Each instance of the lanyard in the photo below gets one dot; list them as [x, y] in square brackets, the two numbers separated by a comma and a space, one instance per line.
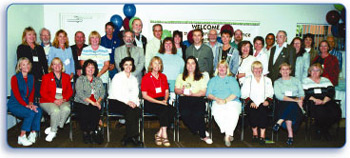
[160, 81]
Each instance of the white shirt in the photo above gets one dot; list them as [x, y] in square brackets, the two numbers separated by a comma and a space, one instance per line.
[151, 50]
[262, 57]
[139, 42]
[258, 92]
[124, 89]
[278, 51]
[246, 67]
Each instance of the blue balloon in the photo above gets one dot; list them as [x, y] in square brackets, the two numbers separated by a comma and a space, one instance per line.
[129, 10]
[117, 21]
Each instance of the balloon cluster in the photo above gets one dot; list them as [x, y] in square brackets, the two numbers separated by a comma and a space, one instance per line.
[333, 17]
[129, 12]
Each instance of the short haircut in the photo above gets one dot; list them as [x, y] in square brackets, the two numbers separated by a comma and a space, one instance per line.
[318, 65]
[243, 43]
[309, 35]
[20, 60]
[124, 60]
[79, 32]
[285, 64]
[226, 32]
[198, 30]
[59, 60]
[259, 38]
[110, 24]
[90, 62]
[45, 29]
[94, 33]
[271, 34]
[132, 32]
[150, 67]
[223, 62]
[161, 27]
[285, 33]
[329, 46]
[257, 64]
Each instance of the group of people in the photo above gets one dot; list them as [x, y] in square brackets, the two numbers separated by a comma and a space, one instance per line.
[123, 70]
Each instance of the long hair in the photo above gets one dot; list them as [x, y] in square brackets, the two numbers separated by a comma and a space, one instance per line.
[197, 74]
[179, 33]
[60, 61]
[302, 47]
[25, 31]
[55, 42]
[223, 62]
[94, 33]
[162, 46]
[150, 67]
[87, 63]
[20, 60]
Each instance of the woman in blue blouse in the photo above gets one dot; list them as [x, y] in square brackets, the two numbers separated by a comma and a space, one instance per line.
[289, 92]
[60, 48]
[224, 90]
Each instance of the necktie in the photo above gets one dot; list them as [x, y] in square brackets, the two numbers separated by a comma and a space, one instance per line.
[128, 51]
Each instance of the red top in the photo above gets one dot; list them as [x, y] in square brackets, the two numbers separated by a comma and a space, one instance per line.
[330, 68]
[17, 94]
[92, 96]
[149, 84]
[48, 88]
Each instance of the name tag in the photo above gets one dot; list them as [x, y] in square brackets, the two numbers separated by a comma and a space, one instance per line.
[79, 58]
[66, 62]
[197, 59]
[35, 59]
[92, 91]
[317, 91]
[159, 90]
[58, 90]
[109, 51]
[229, 55]
[187, 91]
[288, 93]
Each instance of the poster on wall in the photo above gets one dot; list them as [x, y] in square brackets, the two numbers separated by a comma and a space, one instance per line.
[250, 29]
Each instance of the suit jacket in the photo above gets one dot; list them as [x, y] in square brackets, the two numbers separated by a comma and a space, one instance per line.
[287, 55]
[48, 88]
[136, 53]
[75, 56]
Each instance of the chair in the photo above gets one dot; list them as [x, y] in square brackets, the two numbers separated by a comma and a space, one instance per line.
[207, 116]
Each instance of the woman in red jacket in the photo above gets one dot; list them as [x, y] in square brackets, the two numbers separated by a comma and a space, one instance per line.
[55, 91]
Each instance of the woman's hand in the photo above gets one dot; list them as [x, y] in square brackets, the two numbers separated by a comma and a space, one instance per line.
[300, 103]
[164, 102]
[253, 105]
[132, 104]
[32, 107]
[98, 105]
[240, 75]
[220, 101]
[266, 103]
[318, 102]
[58, 102]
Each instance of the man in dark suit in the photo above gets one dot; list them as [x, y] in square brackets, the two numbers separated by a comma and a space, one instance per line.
[79, 39]
[281, 53]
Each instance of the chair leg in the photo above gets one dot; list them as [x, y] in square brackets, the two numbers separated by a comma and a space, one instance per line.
[70, 129]
[242, 128]
[108, 133]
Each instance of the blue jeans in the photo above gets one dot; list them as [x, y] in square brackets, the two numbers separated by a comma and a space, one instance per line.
[31, 119]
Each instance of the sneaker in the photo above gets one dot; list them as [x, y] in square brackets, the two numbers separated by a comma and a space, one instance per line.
[227, 141]
[207, 134]
[24, 141]
[290, 141]
[32, 137]
[276, 127]
[207, 140]
[50, 136]
[68, 120]
[47, 130]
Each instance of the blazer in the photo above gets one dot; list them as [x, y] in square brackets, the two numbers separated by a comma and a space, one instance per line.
[48, 88]
[83, 89]
[287, 55]
[75, 57]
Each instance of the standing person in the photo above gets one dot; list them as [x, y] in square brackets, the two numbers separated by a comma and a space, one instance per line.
[178, 41]
[270, 42]
[245, 61]
[213, 42]
[173, 64]
[60, 48]
[309, 45]
[111, 42]
[201, 52]
[56, 91]
[319, 92]
[334, 51]
[191, 85]
[224, 90]
[21, 103]
[260, 53]
[228, 53]
[155, 92]
[280, 53]
[123, 99]
[98, 53]
[329, 63]
[35, 54]
[238, 37]
[154, 44]
[288, 90]
[79, 39]
[45, 38]
[303, 59]
[130, 50]
[136, 26]
[89, 94]
[257, 91]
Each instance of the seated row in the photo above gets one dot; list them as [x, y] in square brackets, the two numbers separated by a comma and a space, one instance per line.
[191, 86]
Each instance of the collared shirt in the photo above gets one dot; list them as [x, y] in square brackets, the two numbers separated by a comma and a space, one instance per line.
[339, 56]
[257, 91]
[111, 45]
[66, 57]
[151, 50]
[263, 58]
[124, 88]
[278, 51]
[46, 49]
[214, 48]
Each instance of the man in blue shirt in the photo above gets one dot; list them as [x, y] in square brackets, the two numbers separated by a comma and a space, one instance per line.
[111, 42]
[333, 51]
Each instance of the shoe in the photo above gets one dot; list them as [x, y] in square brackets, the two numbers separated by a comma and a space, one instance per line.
[136, 142]
[86, 138]
[227, 141]
[32, 137]
[290, 141]
[68, 120]
[207, 134]
[157, 140]
[24, 141]
[276, 127]
[231, 138]
[47, 130]
[50, 136]
[255, 139]
[207, 140]
[262, 141]
[166, 142]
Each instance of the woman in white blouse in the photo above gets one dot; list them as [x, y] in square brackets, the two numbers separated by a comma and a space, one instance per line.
[257, 91]
[260, 53]
[246, 59]
[123, 98]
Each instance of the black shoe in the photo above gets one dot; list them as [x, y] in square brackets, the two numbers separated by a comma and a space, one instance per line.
[125, 141]
[86, 137]
[136, 142]
[97, 137]
[276, 127]
[255, 139]
[262, 141]
[290, 141]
